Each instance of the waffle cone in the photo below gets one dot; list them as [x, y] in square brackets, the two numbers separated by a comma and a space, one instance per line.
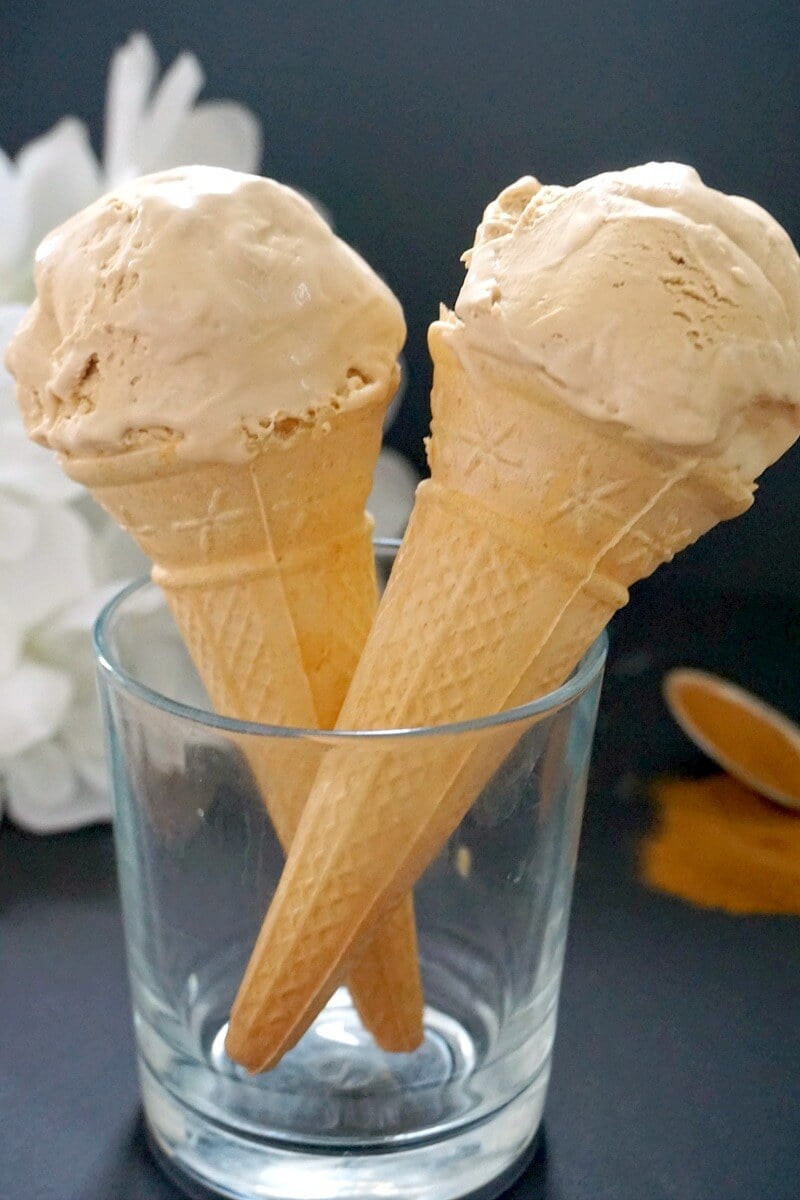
[520, 548]
[268, 570]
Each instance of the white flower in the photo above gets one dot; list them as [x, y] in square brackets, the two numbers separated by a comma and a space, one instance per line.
[61, 557]
[45, 575]
[147, 128]
[51, 178]
[392, 493]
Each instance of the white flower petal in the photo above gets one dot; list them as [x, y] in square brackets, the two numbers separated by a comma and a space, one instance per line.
[27, 469]
[90, 511]
[16, 280]
[18, 529]
[131, 77]
[46, 795]
[171, 104]
[150, 130]
[66, 641]
[95, 806]
[217, 134]
[11, 641]
[115, 556]
[392, 496]
[54, 573]
[33, 703]
[58, 175]
[397, 398]
[96, 789]
[15, 225]
[82, 735]
[10, 317]
[77, 619]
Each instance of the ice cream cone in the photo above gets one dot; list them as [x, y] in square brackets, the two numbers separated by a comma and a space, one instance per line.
[268, 570]
[214, 363]
[621, 366]
[519, 550]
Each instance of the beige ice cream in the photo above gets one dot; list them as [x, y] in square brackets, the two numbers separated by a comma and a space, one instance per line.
[640, 297]
[622, 362]
[203, 306]
[215, 364]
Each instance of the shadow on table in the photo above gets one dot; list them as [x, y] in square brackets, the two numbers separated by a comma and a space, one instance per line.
[534, 1183]
[129, 1172]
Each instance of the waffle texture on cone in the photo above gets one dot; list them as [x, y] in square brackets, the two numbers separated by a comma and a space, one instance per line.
[269, 573]
[554, 487]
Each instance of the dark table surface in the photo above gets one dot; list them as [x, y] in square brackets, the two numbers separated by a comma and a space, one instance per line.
[677, 1061]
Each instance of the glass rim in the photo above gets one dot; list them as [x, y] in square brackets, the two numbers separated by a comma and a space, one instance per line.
[108, 663]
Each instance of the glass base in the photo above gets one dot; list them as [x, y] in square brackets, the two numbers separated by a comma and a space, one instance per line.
[338, 1084]
[199, 864]
[206, 1160]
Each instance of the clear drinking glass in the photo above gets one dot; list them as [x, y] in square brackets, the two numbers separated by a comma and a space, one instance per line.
[198, 862]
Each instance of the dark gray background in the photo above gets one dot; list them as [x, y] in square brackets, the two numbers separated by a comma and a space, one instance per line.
[406, 119]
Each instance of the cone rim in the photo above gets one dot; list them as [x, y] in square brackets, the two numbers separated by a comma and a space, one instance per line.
[111, 669]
